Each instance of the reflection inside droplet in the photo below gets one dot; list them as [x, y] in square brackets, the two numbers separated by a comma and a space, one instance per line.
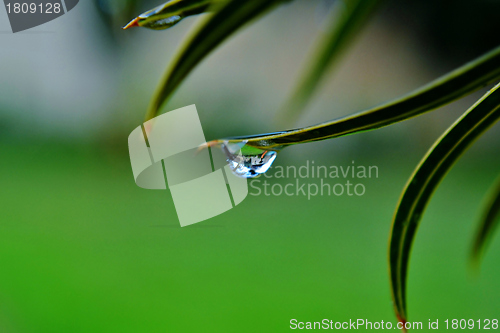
[244, 160]
[247, 161]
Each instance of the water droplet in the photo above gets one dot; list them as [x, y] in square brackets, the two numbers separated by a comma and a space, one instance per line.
[245, 160]
[164, 23]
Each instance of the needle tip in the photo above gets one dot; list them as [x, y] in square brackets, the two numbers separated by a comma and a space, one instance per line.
[133, 23]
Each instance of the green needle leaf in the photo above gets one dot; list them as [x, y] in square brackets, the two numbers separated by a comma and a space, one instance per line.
[171, 13]
[347, 19]
[213, 31]
[454, 85]
[487, 225]
[425, 179]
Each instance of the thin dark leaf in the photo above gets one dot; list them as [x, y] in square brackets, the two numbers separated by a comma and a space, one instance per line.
[213, 31]
[452, 86]
[171, 13]
[348, 16]
[425, 180]
[487, 225]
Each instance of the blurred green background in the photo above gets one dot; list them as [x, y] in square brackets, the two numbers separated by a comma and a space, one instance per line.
[83, 249]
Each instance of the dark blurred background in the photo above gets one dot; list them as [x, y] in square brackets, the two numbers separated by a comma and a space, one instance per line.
[83, 249]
